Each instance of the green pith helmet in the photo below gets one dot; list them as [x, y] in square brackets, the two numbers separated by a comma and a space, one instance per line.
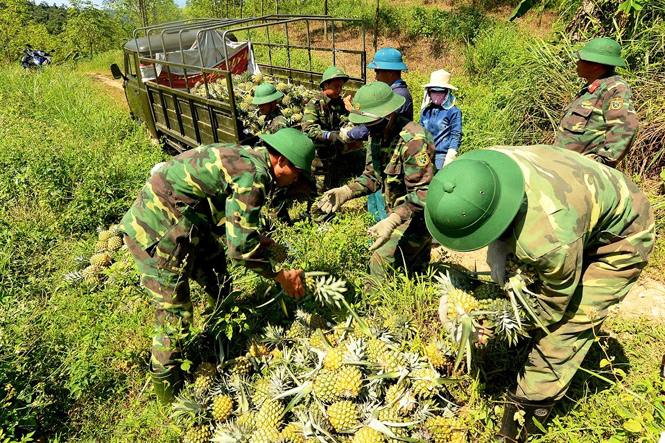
[266, 93]
[332, 73]
[295, 146]
[474, 199]
[602, 50]
[374, 101]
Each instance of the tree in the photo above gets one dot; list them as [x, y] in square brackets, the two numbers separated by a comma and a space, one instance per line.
[13, 17]
[89, 29]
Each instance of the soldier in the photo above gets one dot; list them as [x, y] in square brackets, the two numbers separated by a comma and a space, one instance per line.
[265, 97]
[175, 227]
[601, 121]
[585, 227]
[323, 117]
[399, 161]
[388, 66]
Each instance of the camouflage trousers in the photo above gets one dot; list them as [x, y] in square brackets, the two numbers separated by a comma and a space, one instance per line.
[165, 270]
[608, 273]
[409, 247]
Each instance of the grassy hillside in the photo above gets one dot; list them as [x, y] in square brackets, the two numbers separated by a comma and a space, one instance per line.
[73, 357]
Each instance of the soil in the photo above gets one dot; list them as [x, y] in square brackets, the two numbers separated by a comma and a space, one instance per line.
[645, 299]
[113, 86]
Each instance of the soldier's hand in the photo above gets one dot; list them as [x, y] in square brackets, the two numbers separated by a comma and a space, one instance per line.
[497, 255]
[291, 283]
[335, 137]
[265, 241]
[384, 230]
[334, 198]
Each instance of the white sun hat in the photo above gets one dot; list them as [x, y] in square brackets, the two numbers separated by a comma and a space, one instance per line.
[440, 79]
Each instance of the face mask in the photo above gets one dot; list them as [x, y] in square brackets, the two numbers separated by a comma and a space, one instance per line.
[438, 97]
[377, 127]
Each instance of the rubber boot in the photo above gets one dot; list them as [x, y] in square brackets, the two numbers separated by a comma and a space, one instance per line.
[511, 431]
[167, 384]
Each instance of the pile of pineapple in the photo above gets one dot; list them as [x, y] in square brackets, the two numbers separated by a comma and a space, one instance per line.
[291, 105]
[316, 380]
[105, 252]
[508, 313]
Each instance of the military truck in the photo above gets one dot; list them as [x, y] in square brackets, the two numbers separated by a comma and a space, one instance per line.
[168, 65]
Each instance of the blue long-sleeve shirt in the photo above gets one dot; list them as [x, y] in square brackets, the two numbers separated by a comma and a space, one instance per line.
[445, 125]
[399, 87]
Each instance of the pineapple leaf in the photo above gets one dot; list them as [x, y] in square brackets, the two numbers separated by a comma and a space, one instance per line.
[465, 342]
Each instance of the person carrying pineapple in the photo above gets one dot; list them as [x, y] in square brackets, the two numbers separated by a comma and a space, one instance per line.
[400, 162]
[265, 98]
[176, 227]
[585, 228]
[322, 120]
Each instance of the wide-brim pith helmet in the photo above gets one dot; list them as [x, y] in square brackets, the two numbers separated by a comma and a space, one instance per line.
[602, 50]
[473, 200]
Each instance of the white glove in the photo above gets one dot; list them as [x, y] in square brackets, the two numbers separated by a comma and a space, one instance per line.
[384, 230]
[344, 133]
[497, 254]
[156, 167]
[450, 156]
[333, 199]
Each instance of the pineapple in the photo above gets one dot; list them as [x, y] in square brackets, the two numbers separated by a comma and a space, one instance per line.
[198, 434]
[487, 291]
[244, 107]
[101, 259]
[100, 246]
[460, 302]
[115, 243]
[325, 386]
[292, 433]
[392, 361]
[333, 359]
[281, 86]
[261, 391]
[368, 435]
[436, 353]
[247, 421]
[349, 381]
[270, 414]
[515, 267]
[278, 253]
[297, 117]
[310, 284]
[241, 366]
[222, 407]
[91, 274]
[104, 234]
[376, 348]
[268, 434]
[390, 416]
[343, 415]
[444, 430]
[257, 79]
[257, 349]
[422, 383]
[504, 322]
[204, 376]
[297, 331]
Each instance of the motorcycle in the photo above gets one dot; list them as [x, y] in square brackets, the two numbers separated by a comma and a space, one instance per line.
[35, 58]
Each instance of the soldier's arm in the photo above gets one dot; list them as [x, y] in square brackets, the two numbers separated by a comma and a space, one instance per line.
[367, 183]
[243, 209]
[418, 170]
[622, 125]
[311, 121]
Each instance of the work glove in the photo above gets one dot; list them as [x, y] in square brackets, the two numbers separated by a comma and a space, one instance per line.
[480, 334]
[333, 199]
[497, 254]
[156, 167]
[384, 230]
[335, 137]
[344, 134]
[450, 156]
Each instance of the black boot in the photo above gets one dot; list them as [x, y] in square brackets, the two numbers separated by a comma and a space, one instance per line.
[167, 384]
[511, 431]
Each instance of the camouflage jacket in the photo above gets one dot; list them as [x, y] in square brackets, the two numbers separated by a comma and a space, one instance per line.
[401, 165]
[576, 211]
[600, 122]
[323, 114]
[274, 122]
[218, 189]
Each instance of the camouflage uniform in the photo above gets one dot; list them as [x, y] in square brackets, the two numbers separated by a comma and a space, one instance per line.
[273, 123]
[589, 232]
[401, 165]
[324, 114]
[174, 231]
[600, 122]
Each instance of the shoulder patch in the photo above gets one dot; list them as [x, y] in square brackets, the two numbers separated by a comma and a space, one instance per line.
[616, 103]
[422, 159]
